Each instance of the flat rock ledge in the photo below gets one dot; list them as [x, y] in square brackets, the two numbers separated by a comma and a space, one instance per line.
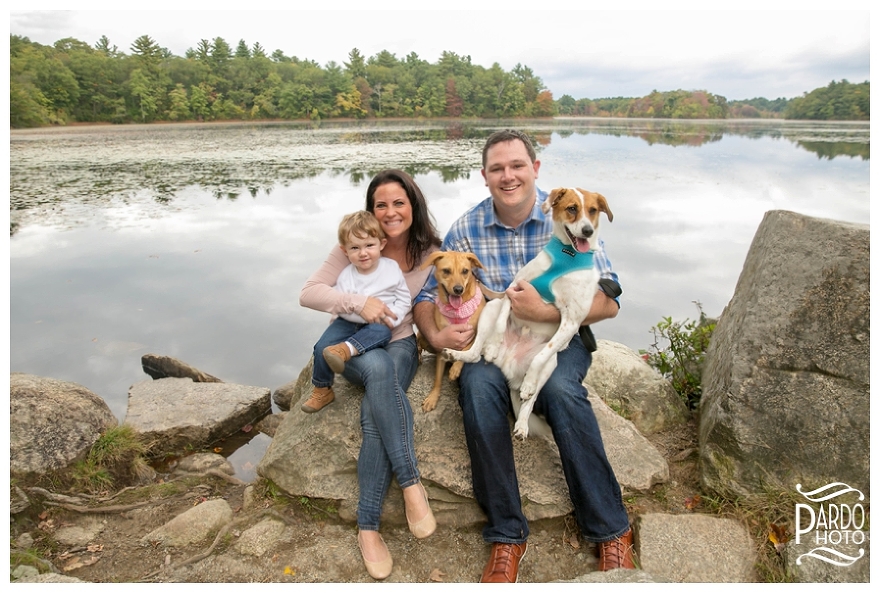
[176, 413]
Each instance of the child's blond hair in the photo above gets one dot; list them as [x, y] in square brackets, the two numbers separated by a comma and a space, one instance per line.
[361, 224]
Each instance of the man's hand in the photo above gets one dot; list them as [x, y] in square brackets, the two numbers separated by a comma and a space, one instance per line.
[454, 337]
[526, 303]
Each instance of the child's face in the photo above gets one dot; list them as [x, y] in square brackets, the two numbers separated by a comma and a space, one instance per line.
[364, 252]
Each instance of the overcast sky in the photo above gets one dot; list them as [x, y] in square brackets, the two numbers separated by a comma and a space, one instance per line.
[584, 53]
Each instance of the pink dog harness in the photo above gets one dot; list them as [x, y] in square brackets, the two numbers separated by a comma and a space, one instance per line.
[464, 311]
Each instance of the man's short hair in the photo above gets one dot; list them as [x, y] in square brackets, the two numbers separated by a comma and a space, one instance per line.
[508, 136]
[361, 224]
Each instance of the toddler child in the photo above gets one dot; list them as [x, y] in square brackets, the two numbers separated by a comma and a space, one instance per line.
[369, 274]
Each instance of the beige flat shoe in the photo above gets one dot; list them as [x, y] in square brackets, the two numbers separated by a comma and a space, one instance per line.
[381, 569]
[427, 524]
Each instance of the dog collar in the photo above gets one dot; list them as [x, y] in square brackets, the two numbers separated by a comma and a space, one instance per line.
[563, 259]
[464, 312]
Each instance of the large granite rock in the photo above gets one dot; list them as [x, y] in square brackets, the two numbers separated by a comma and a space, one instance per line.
[786, 383]
[330, 440]
[52, 423]
[176, 413]
[631, 386]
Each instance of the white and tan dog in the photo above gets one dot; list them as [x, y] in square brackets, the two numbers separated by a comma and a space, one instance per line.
[564, 274]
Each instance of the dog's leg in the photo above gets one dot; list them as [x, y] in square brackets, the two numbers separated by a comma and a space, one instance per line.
[521, 427]
[455, 370]
[484, 328]
[542, 376]
[431, 401]
[545, 361]
[528, 423]
[499, 327]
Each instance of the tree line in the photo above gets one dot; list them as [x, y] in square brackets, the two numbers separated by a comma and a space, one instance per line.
[71, 81]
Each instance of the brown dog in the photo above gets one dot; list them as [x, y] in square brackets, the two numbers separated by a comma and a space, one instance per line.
[459, 300]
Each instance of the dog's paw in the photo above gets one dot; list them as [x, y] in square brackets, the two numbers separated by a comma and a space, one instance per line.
[461, 355]
[491, 350]
[430, 403]
[521, 428]
[528, 388]
[455, 370]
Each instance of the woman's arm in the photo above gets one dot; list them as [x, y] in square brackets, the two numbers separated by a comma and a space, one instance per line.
[319, 293]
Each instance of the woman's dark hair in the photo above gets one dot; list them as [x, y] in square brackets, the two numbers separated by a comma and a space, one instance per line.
[423, 232]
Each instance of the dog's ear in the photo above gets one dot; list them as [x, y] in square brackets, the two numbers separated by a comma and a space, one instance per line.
[603, 207]
[552, 199]
[476, 262]
[432, 258]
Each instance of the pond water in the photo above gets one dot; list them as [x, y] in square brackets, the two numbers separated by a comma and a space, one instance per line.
[194, 241]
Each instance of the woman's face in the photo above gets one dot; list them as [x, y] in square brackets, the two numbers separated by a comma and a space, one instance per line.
[392, 209]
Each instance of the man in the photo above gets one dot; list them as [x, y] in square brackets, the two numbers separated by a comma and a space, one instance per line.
[506, 231]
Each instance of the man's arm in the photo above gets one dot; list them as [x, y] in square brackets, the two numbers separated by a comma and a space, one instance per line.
[526, 303]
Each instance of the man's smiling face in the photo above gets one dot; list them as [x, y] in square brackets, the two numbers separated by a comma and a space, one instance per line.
[510, 176]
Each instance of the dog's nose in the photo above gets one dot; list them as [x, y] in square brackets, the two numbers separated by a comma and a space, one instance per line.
[458, 289]
[587, 231]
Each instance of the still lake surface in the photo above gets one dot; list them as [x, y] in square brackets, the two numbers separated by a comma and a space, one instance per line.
[194, 241]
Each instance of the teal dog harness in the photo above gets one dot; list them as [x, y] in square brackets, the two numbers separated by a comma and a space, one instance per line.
[563, 259]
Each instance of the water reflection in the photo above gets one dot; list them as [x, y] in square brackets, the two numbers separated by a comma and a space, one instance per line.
[102, 166]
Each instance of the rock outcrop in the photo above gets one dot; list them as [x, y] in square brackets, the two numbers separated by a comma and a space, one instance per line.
[629, 384]
[786, 396]
[52, 423]
[332, 441]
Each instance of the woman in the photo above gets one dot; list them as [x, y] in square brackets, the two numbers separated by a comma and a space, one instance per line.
[386, 416]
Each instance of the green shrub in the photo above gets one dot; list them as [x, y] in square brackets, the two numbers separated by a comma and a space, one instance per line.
[678, 351]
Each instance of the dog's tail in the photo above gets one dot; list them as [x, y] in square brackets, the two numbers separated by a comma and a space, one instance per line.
[488, 292]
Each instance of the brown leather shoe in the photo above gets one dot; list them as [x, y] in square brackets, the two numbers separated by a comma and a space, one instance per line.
[503, 564]
[336, 356]
[617, 553]
[321, 396]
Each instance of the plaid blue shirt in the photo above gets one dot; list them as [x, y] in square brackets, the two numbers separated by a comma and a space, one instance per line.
[503, 250]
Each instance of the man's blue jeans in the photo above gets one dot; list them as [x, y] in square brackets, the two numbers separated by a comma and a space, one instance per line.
[595, 493]
[363, 336]
[387, 446]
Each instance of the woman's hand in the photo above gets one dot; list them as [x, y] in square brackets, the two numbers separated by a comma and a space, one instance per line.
[375, 311]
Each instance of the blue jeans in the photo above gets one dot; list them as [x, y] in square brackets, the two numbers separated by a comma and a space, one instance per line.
[595, 493]
[387, 447]
[363, 336]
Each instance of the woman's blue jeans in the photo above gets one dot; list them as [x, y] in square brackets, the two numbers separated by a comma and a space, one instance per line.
[363, 336]
[595, 493]
[387, 448]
